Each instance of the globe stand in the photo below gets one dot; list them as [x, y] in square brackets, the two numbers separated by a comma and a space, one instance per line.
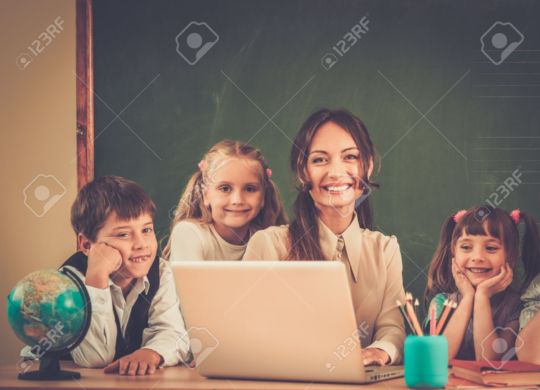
[49, 370]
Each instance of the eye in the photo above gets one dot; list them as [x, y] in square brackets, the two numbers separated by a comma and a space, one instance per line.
[492, 248]
[351, 157]
[148, 230]
[225, 188]
[252, 188]
[122, 235]
[318, 160]
[465, 247]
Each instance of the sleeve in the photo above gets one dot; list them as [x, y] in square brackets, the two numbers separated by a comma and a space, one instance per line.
[530, 302]
[529, 311]
[261, 247]
[166, 332]
[390, 331]
[186, 243]
[438, 301]
[99, 345]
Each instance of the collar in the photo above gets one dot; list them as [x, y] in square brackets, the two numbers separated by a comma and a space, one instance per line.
[222, 241]
[352, 238]
[141, 284]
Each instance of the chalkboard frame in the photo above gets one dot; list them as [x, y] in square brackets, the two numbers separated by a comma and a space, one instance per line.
[84, 86]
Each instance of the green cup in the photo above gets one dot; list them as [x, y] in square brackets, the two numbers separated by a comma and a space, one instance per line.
[426, 361]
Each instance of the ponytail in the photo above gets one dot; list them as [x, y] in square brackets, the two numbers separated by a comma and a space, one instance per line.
[530, 252]
[364, 212]
[304, 230]
[272, 212]
[190, 206]
[440, 270]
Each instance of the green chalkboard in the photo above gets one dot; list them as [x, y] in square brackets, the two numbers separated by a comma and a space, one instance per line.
[450, 119]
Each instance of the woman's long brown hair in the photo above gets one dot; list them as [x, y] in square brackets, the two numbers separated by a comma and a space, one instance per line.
[303, 230]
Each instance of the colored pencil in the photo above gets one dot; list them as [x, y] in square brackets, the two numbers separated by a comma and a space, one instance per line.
[432, 319]
[444, 316]
[412, 316]
[453, 305]
[407, 320]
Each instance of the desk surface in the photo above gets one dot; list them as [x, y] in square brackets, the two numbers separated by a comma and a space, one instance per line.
[180, 378]
[169, 378]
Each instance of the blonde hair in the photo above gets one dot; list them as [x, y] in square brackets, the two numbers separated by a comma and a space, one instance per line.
[191, 203]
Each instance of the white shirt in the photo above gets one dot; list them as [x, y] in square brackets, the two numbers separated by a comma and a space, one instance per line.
[165, 334]
[374, 266]
[192, 240]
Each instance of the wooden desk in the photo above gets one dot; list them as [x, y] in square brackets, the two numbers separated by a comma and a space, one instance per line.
[175, 378]
[168, 378]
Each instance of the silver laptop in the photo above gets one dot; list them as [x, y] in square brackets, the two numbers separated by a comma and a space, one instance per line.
[277, 320]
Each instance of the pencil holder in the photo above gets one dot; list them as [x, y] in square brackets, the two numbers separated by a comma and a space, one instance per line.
[426, 361]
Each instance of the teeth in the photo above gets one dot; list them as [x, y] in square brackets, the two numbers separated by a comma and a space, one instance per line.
[338, 188]
[479, 270]
[139, 259]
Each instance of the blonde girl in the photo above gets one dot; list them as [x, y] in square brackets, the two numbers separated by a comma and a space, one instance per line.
[226, 200]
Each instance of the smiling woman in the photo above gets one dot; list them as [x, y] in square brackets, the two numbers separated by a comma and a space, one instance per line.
[333, 159]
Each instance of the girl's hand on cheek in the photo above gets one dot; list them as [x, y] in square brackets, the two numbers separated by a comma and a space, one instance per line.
[463, 284]
[497, 283]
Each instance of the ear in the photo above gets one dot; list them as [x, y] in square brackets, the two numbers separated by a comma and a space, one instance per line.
[308, 178]
[206, 202]
[83, 243]
[370, 168]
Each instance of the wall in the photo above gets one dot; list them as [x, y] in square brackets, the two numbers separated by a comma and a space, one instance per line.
[37, 124]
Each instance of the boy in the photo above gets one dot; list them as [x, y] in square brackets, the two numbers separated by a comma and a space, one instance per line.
[136, 323]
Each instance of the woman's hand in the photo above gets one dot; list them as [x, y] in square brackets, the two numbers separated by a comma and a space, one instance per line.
[375, 356]
[497, 283]
[463, 283]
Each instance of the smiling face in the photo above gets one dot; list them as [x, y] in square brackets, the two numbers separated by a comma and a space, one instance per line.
[135, 240]
[334, 169]
[235, 197]
[480, 257]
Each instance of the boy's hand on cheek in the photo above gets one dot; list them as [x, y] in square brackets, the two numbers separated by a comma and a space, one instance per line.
[103, 260]
[141, 362]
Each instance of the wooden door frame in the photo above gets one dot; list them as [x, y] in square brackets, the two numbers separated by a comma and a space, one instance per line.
[84, 92]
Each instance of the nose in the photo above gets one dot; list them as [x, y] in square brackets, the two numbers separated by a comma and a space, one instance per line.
[236, 197]
[139, 241]
[336, 168]
[477, 256]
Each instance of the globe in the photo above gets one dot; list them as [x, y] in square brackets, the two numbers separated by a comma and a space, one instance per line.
[50, 311]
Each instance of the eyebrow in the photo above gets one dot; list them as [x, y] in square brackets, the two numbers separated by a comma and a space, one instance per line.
[232, 184]
[488, 240]
[343, 151]
[129, 227]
